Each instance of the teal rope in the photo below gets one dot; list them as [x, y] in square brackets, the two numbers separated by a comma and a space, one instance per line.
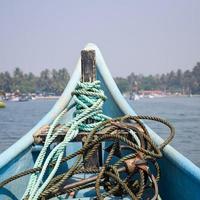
[89, 99]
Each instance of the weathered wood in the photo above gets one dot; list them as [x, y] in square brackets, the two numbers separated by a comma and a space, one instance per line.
[40, 135]
[88, 66]
[88, 72]
[69, 184]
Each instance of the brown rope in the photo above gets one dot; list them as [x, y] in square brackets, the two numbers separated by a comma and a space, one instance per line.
[115, 177]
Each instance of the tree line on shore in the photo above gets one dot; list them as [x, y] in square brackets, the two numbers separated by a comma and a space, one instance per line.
[54, 81]
[185, 82]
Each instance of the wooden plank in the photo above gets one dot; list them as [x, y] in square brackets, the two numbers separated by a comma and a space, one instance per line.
[88, 66]
[88, 74]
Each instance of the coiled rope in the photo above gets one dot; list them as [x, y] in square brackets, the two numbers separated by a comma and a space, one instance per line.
[111, 177]
[114, 176]
[129, 174]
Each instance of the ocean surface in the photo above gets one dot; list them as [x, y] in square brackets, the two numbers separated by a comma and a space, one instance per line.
[184, 112]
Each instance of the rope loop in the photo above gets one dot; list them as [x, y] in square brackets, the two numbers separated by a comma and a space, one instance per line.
[89, 99]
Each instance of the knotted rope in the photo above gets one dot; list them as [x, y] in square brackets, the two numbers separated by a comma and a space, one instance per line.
[89, 100]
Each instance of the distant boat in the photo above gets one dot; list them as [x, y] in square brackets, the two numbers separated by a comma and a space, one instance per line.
[150, 96]
[33, 98]
[2, 104]
[134, 97]
[180, 178]
[24, 98]
[2, 98]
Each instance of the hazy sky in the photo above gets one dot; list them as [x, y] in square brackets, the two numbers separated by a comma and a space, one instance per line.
[146, 37]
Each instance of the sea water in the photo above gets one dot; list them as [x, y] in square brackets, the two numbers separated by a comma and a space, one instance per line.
[184, 112]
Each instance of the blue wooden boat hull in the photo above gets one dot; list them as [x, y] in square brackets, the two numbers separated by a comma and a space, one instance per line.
[180, 178]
